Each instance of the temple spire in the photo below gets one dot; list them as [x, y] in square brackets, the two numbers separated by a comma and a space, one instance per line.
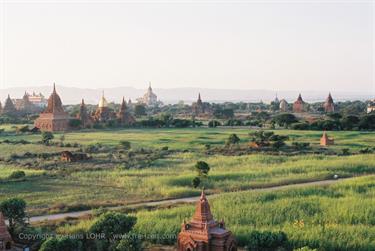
[202, 210]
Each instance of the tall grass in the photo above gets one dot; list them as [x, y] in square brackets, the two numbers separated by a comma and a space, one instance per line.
[340, 217]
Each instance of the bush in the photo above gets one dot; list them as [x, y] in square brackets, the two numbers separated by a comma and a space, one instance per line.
[75, 123]
[233, 139]
[61, 244]
[112, 224]
[17, 175]
[126, 145]
[301, 145]
[14, 210]
[47, 137]
[213, 123]
[366, 150]
[285, 119]
[132, 243]
[202, 168]
[267, 241]
[196, 182]
[300, 126]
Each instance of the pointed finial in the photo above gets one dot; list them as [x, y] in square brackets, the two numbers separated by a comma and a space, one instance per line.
[54, 87]
[203, 195]
[83, 101]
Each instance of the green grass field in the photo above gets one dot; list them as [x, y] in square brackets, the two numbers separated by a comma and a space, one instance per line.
[336, 217]
[196, 138]
[98, 183]
[339, 217]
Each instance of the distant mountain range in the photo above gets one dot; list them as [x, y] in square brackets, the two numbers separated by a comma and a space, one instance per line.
[73, 95]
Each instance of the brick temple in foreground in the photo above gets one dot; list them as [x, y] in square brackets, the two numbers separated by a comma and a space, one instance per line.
[203, 233]
[53, 118]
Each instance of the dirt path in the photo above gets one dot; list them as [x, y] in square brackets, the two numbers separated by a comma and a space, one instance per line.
[180, 200]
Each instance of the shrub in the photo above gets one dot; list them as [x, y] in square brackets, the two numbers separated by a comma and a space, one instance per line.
[17, 175]
[345, 151]
[366, 150]
[285, 119]
[126, 145]
[47, 137]
[301, 145]
[61, 244]
[14, 210]
[196, 182]
[131, 243]
[112, 224]
[300, 126]
[259, 241]
[213, 123]
[233, 139]
[202, 168]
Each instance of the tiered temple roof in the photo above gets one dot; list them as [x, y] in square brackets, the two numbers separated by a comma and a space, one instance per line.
[53, 118]
[124, 115]
[203, 232]
[9, 107]
[328, 104]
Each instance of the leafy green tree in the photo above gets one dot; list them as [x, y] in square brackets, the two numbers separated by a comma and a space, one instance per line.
[202, 168]
[139, 110]
[233, 139]
[367, 122]
[75, 123]
[349, 122]
[213, 123]
[261, 138]
[14, 210]
[129, 244]
[166, 118]
[17, 175]
[285, 119]
[126, 145]
[61, 244]
[196, 182]
[47, 137]
[112, 224]
[268, 138]
[334, 115]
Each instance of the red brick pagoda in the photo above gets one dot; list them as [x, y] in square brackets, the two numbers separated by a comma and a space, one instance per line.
[83, 116]
[124, 116]
[325, 140]
[329, 105]
[53, 118]
[203, 233]
[299, 105]
[5, 238]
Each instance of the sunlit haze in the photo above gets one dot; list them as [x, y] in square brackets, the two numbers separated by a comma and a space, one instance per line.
[251, 45]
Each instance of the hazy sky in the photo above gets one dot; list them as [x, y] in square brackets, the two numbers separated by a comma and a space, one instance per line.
[276, 45]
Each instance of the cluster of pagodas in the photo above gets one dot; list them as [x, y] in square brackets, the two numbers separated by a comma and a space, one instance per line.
[300, 105]
[54, 118]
